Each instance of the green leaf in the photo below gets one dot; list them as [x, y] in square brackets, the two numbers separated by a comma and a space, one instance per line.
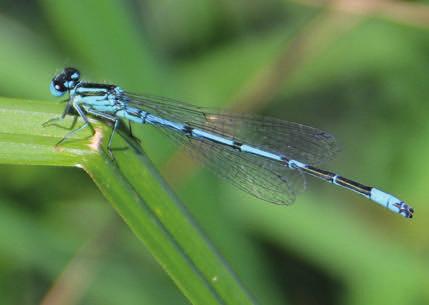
[134, 188]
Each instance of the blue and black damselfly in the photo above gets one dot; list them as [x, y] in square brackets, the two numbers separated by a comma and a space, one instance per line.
[263, 156]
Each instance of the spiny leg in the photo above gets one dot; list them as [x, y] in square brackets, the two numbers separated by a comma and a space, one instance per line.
[109, 144]
[59, 118]
[131, 133]
[86, 124]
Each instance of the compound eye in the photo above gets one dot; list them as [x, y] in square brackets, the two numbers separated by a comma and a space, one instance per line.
[56, 88]
[65, 81]
[72, 74]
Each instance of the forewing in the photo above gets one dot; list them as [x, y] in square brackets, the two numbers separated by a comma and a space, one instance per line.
[295, 141]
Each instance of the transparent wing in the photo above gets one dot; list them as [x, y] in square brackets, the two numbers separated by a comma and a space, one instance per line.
[295, 141]
[268, 180]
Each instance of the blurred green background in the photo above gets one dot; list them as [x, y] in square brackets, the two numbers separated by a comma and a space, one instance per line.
[358, 69]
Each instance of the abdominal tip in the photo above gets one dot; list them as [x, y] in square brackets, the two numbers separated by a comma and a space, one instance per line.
[406, 210]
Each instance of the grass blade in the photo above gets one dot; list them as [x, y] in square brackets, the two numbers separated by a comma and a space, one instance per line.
[134, 188]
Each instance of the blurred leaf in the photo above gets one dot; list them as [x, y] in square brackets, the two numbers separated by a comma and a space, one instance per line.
[27, 61]
[106, 38]
[345, 245]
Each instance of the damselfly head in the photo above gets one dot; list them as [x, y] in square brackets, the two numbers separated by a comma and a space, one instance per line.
[64, 81]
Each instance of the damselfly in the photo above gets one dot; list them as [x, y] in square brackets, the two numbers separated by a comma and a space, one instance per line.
[263, 156]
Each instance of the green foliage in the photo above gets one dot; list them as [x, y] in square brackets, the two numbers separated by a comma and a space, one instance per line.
[359, 76]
